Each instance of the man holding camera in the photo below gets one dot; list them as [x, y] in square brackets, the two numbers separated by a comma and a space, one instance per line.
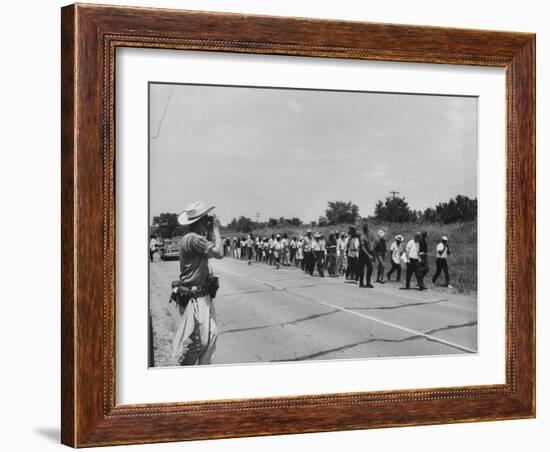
[195, 339]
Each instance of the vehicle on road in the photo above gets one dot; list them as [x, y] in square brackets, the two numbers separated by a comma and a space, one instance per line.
[171, 249]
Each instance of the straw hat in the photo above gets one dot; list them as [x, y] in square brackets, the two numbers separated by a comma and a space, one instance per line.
[193, 212]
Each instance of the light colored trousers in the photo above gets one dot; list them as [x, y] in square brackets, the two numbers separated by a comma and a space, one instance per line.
[195, 339]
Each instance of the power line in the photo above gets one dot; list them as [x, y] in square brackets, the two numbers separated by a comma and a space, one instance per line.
[393, 193]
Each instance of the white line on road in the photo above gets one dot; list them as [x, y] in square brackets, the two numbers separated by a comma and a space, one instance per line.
[392, 325]
[365, 316]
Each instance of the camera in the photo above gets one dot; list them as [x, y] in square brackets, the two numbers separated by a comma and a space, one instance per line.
[210, 220]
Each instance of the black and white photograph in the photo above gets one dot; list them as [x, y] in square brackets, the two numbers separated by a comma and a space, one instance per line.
[297, 224]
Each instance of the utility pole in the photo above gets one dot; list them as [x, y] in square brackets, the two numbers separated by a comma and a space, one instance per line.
[393, 193]
[257, 218]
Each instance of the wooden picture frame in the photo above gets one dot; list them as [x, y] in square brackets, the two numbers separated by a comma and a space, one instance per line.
[90, 35]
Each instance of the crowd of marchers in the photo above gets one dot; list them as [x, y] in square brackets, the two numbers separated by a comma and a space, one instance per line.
[352, 255]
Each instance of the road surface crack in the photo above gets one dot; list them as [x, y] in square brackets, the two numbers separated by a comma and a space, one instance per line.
[399, 306]
[452, 327]
[292, 322]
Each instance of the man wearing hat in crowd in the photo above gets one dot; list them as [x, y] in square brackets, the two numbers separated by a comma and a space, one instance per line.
[278, 249]
[365, 258]
[309, 260]
[318, 248]
[441, 252]
[195, 338]
[352, 252]
[413, 257]
[396, 250]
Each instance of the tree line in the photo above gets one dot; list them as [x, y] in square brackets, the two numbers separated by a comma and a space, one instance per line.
[397, 210]
[392, 210]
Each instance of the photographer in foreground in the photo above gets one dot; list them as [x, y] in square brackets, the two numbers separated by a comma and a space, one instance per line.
[195, 339]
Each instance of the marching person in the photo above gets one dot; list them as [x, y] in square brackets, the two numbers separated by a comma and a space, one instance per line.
[285, 257]
[309, 260]
[365, 258]
[271, 243]
[299, 261]
[235, 248]
[396, 250]
[442, 251]
[293, 249]
[249, 247]
[196, 334]
[331, 248]
[324, 248]
[412, 251]
[278, 249]
[265, 250]
[258, 249]
[352, 250]
[318, 248]
[243, 248]
[341, 246]
[380, 255]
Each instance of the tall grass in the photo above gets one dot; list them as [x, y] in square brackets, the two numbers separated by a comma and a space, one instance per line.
[462, 242]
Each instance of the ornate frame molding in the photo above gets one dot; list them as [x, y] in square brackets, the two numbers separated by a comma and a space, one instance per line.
[90, 37]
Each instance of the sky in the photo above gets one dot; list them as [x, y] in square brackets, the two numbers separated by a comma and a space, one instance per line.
[287, 152]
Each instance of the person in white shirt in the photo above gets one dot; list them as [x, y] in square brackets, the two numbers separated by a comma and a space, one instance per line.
[300, 253]
[412, 249]
[249, 246]
[396, 250]
[309, 258]
[271, 243]
[341, 245]
[442, 251]
[293, 246]
[152, 247]
[352, 249]
[277, 251]
[285, 253]
[318, 249]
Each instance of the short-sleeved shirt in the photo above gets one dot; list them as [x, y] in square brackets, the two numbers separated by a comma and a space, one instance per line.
[412, 249]
[317, 245]
[194, 260]
[396, 249]
[441, 251]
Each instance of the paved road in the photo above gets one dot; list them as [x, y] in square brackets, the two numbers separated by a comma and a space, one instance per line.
[266, 314]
